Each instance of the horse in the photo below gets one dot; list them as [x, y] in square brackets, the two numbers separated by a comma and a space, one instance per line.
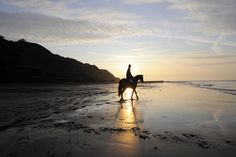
[125, 83]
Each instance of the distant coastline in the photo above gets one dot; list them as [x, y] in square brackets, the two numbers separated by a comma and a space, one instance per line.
[160, 81]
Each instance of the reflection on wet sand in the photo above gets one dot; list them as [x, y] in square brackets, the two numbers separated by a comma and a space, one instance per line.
[127, 116]
[126, 143]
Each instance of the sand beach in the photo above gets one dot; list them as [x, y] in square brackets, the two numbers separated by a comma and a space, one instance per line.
[169, 119]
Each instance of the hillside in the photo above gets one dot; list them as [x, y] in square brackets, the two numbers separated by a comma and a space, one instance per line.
[22, 61]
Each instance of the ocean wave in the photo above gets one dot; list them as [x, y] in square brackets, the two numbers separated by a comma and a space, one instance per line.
[228, 87]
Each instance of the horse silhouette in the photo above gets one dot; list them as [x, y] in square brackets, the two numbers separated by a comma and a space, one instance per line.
[125, 83]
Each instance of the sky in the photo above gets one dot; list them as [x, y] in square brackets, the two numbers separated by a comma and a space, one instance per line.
[161, 39]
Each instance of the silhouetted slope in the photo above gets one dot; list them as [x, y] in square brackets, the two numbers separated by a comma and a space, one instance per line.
[22, 61]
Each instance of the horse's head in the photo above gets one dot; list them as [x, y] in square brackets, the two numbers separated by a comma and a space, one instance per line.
[141, 78]
[137, 78]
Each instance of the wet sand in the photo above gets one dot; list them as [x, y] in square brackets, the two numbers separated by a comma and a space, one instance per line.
[87, 120]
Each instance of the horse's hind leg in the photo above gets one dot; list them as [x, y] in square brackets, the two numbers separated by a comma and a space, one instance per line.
[122, 91]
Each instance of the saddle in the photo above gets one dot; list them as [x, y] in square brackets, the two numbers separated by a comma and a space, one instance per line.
[131, 80]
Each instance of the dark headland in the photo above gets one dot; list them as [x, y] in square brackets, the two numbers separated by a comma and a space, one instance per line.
[24, 62]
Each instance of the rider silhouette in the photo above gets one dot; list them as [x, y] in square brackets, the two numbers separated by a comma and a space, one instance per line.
[129, 75]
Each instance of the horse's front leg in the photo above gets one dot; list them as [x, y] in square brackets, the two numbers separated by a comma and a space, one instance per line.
[136, 94]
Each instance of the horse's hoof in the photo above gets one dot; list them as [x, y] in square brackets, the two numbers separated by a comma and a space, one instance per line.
[121, 100]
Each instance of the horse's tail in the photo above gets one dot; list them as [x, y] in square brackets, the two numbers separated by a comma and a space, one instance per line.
[119, 89]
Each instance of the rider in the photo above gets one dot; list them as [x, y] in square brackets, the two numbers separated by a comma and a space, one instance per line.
[129, 75]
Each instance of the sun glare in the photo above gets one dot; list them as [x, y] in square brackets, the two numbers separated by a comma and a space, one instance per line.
[128, 93]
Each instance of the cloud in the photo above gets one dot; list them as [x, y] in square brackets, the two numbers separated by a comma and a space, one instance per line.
[41, 28]
[191, 42]
[72, 9]
[210, 56]
[143, 1]
[201, 19]
[108, 15]
[216, 16]
[213, 16]
[203, 59]
[58, 8]
[68, 22]
[215, 47]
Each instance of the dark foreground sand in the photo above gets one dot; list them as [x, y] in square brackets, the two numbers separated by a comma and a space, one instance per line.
[87, 120]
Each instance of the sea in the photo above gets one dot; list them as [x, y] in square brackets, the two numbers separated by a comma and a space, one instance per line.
[226, 86]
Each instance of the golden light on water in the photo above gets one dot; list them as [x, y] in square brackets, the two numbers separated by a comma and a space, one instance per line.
[126, 143]
[127, 115]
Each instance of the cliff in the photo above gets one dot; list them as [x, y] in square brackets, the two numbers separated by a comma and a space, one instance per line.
[22, 61]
